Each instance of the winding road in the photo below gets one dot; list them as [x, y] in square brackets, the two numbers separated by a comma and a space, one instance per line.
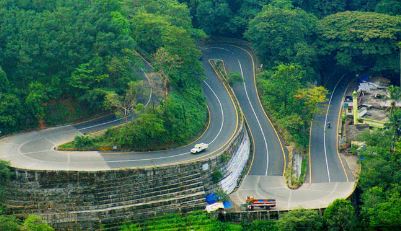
[329, 177]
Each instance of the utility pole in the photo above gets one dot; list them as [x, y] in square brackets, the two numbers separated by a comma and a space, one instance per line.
[355, 106]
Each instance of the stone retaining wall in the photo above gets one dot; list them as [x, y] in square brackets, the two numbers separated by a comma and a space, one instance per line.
[71, 200]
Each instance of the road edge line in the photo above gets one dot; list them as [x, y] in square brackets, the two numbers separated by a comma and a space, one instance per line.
[261, 105]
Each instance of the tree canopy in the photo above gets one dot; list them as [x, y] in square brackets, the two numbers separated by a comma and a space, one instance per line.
[283, 35]
[61, 50]
[360, 41]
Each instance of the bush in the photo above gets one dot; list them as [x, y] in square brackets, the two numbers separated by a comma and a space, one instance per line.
[217, 176]
[83, 141]
[340, 215]
[9, 223]
[234, 77]
[35, 223]
[261, 225]
[5, 173]
[300, 219]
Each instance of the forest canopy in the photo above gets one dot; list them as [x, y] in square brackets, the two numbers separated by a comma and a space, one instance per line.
[61, 52]
[66, 60]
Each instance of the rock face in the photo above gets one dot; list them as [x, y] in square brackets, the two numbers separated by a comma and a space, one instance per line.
[71, 200]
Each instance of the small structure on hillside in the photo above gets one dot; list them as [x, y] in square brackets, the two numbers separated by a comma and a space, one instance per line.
[370, 103]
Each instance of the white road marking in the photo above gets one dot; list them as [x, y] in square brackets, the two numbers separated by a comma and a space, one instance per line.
[257, 119]
[166, 157]
[109, 122]
[97, 125]
[221, 110]
[325, 125]
[148, 159]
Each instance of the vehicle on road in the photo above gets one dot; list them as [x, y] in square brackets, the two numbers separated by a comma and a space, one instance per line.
[252, 203]
[328, 125]
[199, 148]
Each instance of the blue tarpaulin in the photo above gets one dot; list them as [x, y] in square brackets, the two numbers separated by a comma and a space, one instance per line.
[211, 198]
[227, 204]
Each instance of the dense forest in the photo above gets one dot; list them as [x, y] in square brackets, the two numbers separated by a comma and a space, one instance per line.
[61, 54]
[301, 40]
[65, 60]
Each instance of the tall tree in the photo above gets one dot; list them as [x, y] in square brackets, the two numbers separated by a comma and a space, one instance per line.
[392, 7]
[300, 219]
[340, 216]
[361, 41]
[283, 34]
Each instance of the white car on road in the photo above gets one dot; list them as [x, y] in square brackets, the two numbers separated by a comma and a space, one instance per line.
[199, 148]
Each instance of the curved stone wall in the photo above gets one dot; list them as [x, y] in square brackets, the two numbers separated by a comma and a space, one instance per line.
[71, 200]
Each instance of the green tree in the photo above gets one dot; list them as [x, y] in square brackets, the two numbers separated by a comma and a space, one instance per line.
[360, 41]
[381, 208]
[311, 97]
[35, 223]
[283, 35]
[395, 92]
[300, 219]
[279, 87]
[36, 99]
[10, 112]
[213, 16]
[125, 105]
[4, 83]
[143, 133]
[234, 77]
[247, 10]
[9, 223]
[76, 49]
[392, 7]
[261, 225]
[290, 100]
[322, 7]
[340, 216]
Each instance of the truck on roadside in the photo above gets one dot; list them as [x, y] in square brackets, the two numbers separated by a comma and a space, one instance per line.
[252, 203]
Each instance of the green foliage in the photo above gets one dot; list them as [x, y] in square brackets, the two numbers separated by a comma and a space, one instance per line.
[340, 215]
[214, 16]
[395, 92]
[4, 83]
[290, 34]
[216, 176]
[5, 173]
[361, 41]
[61, 48]
[222, 195]
[143, 133]
[391, 7]
[9, 223]
[130, 227]
[35, 223]
[300, 219]
[125, 105]
[290, 101]
[234, 77]
[11, 112]
[261, 225]
[83, 141]
[197, 220]
[379, 180]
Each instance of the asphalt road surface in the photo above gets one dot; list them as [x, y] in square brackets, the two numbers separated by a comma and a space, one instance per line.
[35, 150]
[329, 177]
